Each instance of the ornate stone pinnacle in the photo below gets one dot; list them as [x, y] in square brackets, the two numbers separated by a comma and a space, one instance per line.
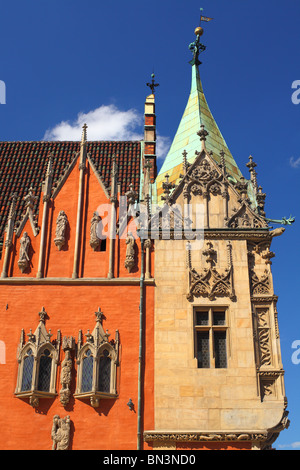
[167, 186]
[50, 165]
[260, 197]
[84, 134]
[251, 165]
[99, 315]
[223, 162]
[12, 209]
[42, 315]
[202, 133]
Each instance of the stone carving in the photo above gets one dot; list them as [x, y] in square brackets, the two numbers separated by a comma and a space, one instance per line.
[202, 180]
[197, 437]
[61, 224]
[68, 345]
[244, 217]
[23, 262]
[210, 283]
[60, 433]
[264, 337]
[95, 241]
[130, 253]
[260, 285]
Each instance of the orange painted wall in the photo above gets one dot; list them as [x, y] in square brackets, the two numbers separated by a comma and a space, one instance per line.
[70, 308]
[60, 263]
[93, 263]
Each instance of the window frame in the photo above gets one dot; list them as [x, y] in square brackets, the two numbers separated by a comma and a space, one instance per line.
[211, 328]
[38, 342]
[34, 394]
[97, 342]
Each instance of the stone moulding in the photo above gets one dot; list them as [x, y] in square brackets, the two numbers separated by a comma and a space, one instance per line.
[262, 439]
[213, 436]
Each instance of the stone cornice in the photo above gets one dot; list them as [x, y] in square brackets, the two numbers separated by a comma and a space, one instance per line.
[120, 281]
[209, 234]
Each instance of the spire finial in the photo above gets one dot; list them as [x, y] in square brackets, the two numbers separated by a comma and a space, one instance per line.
[196, 47]
[152, 85]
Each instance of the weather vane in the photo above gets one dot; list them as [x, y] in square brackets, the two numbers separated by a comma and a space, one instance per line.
[152, 85]
[196, 47]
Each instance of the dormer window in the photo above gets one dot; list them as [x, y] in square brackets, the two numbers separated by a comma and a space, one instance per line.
[38, 358]
[97, 361]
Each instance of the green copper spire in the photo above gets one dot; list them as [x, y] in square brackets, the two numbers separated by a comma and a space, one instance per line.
[196, 114]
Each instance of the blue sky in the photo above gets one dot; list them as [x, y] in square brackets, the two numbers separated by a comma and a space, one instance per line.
[67, 61]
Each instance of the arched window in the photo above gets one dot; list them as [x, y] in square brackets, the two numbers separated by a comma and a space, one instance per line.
[45, 366]
[27, 371]
[87, 372]
[104, 372]
[37, 364]
[97, 361]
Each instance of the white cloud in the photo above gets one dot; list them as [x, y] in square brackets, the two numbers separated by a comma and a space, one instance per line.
[293, 445]
[162, 146]
[104, 123]
[295, 163]
[107, 122]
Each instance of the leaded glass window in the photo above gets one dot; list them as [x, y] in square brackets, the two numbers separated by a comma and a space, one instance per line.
[211, 338]
[27, 371]
[220, 349]
[203, 349]
[87, 372]
[104, 372]
[45, 365]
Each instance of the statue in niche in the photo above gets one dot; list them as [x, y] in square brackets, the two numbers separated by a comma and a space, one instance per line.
[66, 370]
[94, 239]
[60, 433]
[61, 224]
[23, 262]
[130, 252]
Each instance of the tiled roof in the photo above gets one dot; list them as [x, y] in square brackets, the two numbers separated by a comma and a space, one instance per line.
[24, 164]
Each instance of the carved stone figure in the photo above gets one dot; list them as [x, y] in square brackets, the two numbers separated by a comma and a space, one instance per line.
[94, 239]
[66, 370]
[129, 261]
[23, 262]
[61, 224]
[60, 433]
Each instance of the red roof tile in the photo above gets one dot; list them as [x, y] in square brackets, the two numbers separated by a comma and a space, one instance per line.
[24, 164]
